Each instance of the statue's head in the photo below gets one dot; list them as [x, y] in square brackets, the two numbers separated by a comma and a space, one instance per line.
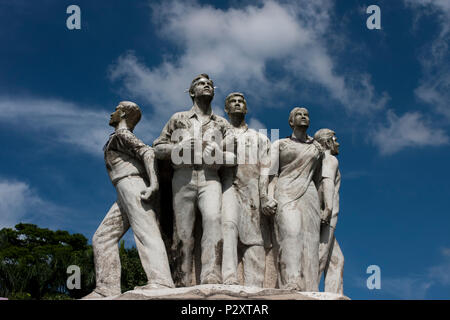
[201, 86]
[327, 138]
[235, 103]
[299, 117]
[127, 110]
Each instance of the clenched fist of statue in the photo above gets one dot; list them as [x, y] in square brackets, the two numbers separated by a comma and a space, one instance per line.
[148, 193]
[326, 215]
[211, 146]
[269, 206]
[188, 143]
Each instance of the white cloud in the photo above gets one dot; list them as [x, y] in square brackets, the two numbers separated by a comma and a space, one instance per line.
[256, 124]
[441, 272]
[235, 46]
[13, 196]
[408, 130]
[66, 122]
[58, 120]
[20, 203]
[443, 5]
[416, 286]
[407, 287]
[446, 252]
[434, 87]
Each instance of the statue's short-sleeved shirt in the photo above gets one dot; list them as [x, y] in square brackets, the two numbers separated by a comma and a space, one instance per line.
[186, 124]
[124, 154]
[330, 169]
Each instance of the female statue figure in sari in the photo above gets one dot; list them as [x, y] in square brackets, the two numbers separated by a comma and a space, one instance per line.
[295, 163]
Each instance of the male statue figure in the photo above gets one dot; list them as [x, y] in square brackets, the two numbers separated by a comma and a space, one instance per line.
[132, 170]
[244, 189]
[331, 259]
[196, 183]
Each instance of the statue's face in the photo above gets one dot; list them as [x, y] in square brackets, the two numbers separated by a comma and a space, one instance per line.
[116, 116]
[203, 87]
[334, 146]
[236, 104]
[301, 118]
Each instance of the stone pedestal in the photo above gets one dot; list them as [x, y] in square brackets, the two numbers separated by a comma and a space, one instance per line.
[225, 292]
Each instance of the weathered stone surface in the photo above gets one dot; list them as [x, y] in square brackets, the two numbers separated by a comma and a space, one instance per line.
[295, 161]
[225, 292]
[247, 219]
[331, 258]
[132, 170]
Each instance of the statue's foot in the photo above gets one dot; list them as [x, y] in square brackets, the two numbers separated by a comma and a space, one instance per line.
[292, 286]
[231, 282]
[211, 279]
[94, 295]
[150, 286]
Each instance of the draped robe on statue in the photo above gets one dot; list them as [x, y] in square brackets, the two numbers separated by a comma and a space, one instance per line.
[297, 221]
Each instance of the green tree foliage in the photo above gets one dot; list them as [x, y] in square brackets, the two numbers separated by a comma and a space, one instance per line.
[132, 272]
[34, 261]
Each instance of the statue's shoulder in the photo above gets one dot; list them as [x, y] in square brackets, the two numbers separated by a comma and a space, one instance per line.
[330, 160]
[261, 136]
[129, 138]
[252, 131]
[284, 141]
[221, 120]
[124, 134]
[318, 146]
[180, 115]
[179, 120]
[330, 167]
[222, 123]
[281, 143]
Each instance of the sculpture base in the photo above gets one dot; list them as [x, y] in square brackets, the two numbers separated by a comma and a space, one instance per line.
[225, 292]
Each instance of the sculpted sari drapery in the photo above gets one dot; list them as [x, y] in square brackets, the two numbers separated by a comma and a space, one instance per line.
[297, 222]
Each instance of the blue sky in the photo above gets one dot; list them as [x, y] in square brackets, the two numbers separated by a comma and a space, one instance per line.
[385, 93]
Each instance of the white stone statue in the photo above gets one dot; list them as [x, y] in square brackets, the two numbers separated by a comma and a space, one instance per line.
[331, 259]
[244, 189]
[131, 168]
[186, 141]
[244, 211]
[295, 161]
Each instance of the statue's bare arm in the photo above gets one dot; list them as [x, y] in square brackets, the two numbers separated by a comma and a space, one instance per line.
[329, 171]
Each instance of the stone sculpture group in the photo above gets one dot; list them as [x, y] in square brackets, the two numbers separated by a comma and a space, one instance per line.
[239, 209]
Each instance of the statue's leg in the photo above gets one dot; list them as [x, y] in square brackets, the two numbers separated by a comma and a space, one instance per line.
[184, 197]
[230, 212]
[334, 279]
[310, 254]
[209, 204]
[324, 247]
[147, 235]
[288, 225]
[254, 260]
[106, 251]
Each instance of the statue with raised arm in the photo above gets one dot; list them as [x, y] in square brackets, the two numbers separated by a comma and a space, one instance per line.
[192, 141]
[131, 167]
[294, 163]
[331, 259]
[244, 194]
